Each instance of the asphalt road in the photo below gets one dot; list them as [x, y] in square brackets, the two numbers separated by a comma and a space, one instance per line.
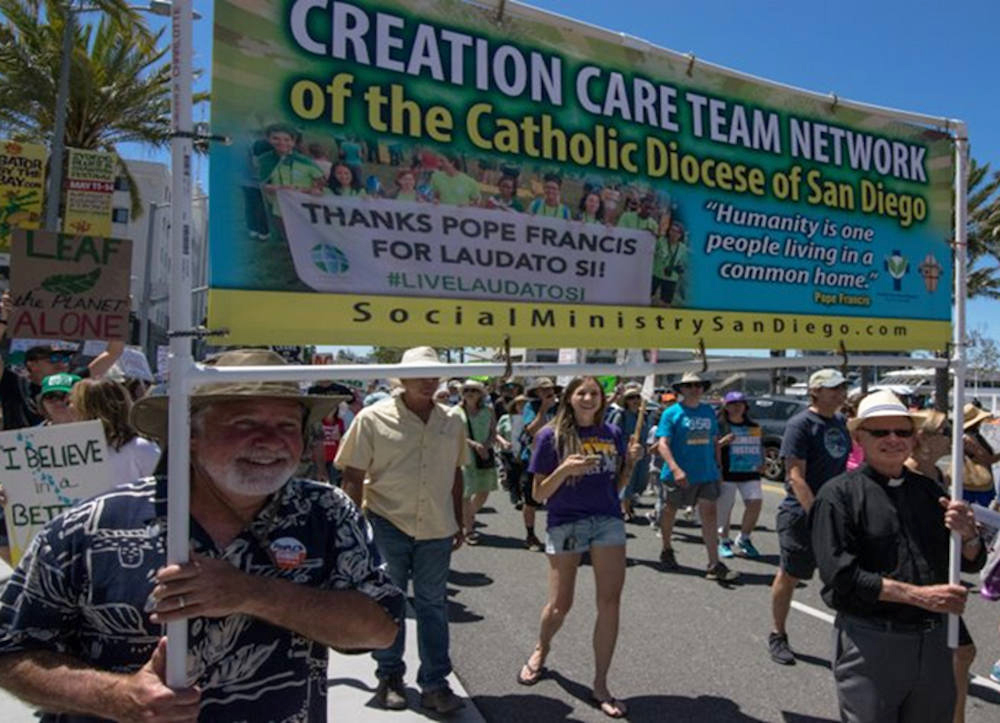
[688, 649]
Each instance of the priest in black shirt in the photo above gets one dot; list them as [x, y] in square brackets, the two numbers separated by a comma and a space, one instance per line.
[880, 534]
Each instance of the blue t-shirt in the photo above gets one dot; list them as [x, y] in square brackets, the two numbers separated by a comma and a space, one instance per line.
[822, 442]
[592, 494]
[692, 433]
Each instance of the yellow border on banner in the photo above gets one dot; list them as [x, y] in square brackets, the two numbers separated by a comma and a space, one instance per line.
[272, 317]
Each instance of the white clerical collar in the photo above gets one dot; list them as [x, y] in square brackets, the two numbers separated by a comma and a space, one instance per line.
[895, 481]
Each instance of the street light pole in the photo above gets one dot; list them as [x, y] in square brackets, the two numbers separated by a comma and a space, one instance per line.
[59, 131]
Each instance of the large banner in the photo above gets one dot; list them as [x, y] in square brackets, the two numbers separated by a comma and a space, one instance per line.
[46, 470]
[415, 172]
[22, 190]
[90, 188]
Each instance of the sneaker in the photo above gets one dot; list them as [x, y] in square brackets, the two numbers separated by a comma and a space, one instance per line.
[441, 700]
[995, 672]
[746, 547]
[777, 644]
[725, 548]
[720, 572]
[391, 693]
[533, 543]
[667, 559]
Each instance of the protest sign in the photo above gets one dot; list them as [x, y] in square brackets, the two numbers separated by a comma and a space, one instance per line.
[45, 470]
[90, 187]
[22, 190]
[549, 181]
[74, 287]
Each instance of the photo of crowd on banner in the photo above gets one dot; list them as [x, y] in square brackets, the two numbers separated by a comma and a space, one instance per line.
[347, 165]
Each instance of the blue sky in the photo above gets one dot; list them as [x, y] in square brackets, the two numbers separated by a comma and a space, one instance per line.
[931, 57]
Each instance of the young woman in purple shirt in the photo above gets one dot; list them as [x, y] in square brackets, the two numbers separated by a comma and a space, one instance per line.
[579, 465]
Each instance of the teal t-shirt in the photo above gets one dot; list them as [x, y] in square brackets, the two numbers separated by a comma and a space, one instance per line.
[538, 207]
[691, 433]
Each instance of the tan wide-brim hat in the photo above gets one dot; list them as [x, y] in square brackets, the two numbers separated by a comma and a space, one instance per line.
[149, 414]
[542, 383]
[691, 378]
[425, 356]
[973, 415]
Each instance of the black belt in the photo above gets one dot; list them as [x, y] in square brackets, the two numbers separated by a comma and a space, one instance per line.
[891, 626]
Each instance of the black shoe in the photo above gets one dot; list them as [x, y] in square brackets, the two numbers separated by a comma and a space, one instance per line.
[441, 700]
[667, 559]
[391, 693]
[720, 572]
[777, 644]
[533, 543]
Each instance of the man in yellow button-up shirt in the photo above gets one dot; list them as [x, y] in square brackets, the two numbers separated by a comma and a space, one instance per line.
[411, 450]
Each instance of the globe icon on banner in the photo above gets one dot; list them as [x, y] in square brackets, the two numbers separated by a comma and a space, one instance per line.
[329, 259]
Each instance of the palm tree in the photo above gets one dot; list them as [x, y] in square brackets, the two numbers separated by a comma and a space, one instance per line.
[983, 232]
[119, 82]
[982, 253]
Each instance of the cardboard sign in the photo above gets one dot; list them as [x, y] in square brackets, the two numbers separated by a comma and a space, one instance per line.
[132, 363]
[45, 470]
[90, 187]
[70, 287]
[22, 188]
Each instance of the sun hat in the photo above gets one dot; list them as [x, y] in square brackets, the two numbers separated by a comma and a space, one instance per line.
[882, 403]
[519, 399]
[474, 384]
[691, 378]
[422, 355]
[541, 383]
[632, 389]
[57, 383]
[973, 415]
[149, 414]
[734, 397]
[826, 379]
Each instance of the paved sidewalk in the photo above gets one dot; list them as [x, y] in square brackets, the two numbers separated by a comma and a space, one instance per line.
[352, 685]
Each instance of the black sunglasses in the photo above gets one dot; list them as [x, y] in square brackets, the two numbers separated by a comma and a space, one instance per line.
[880, 433]
[56, 396]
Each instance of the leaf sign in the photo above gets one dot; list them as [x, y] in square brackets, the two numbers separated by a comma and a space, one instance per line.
[71, 283]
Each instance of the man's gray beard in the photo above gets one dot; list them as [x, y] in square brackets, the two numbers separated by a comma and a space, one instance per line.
[229, 479]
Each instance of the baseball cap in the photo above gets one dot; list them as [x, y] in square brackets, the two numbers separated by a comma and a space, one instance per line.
[827, 379]
[733, 397]
[58, 383]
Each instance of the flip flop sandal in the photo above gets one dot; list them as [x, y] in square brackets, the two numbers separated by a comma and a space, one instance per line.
[611, 707]
[534, 674]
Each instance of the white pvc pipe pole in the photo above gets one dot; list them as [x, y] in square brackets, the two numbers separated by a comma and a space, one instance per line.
[958, 359]
[181, 362]
[203, 375]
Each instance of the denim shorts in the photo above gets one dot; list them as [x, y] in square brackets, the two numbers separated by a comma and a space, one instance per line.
[581, 535]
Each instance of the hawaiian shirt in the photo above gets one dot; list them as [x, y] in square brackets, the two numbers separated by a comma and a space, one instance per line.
[82, 590]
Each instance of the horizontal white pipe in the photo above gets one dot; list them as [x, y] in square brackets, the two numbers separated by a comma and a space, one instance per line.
[292, 372]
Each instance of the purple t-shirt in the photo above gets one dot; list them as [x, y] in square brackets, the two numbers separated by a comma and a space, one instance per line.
[592, 494]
